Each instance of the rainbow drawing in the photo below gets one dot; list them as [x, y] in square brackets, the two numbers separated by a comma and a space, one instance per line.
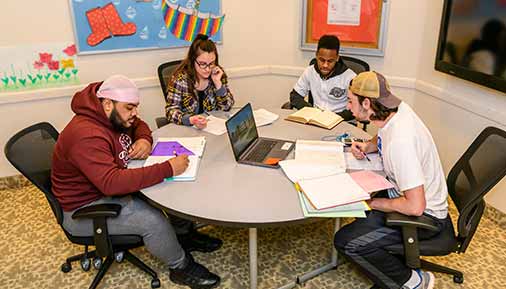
[186, 23]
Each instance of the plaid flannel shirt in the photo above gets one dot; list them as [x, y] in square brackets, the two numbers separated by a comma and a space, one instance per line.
[180, 102]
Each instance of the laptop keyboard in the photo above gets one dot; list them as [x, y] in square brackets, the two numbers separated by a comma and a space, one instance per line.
[261, 150]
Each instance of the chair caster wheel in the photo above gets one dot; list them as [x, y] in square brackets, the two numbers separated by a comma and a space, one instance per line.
[458, 279]
[97, 263]
[66, 267]
[119, 256]
[155, 283]
[85, 264]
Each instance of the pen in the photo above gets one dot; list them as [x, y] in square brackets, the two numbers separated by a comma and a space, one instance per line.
[365, 155]
[174, 152]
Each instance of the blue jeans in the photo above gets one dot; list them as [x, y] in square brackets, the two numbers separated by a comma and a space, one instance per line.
[138, 218]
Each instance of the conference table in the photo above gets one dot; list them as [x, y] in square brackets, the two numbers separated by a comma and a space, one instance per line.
[226, 193]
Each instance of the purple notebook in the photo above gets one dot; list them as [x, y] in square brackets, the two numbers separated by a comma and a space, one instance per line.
[170, 148]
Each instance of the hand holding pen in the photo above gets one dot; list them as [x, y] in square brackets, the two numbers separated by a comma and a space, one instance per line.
[179, 163]
[359, 150]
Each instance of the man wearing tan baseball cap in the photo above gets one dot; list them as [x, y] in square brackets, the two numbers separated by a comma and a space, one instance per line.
[411, 163]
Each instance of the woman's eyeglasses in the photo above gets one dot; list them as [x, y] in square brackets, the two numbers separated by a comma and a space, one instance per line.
[204, 65]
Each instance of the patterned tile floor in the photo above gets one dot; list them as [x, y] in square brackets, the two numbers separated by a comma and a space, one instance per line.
[32, 248]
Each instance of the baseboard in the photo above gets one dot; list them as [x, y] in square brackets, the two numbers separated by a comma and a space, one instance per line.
[480, 109]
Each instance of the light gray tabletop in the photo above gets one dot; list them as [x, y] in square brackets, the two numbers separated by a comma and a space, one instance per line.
[228, 193]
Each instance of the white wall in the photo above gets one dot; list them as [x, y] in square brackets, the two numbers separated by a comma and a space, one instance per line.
[260, 52]
[457, 110]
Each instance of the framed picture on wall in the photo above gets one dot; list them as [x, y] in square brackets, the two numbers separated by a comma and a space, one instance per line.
[359, 24]
[118, 25]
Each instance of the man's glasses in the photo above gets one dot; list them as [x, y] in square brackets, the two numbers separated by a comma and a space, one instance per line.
[204, 65]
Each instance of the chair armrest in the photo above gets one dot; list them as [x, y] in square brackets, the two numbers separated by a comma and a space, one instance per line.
[161, 121]
[99, 214]
[98, 211]
[409, 226]
[423, 222]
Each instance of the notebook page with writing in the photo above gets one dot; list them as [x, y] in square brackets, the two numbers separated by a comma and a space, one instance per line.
[353, 164]
[190, 174]
[297, 170]
[320, 151]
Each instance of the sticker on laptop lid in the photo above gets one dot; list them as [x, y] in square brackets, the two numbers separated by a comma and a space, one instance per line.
[272, 161]
[286, 146]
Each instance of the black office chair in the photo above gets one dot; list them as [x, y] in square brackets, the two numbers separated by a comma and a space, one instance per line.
[477, 171]
[165, 71]
[30, 152]
[354, 64]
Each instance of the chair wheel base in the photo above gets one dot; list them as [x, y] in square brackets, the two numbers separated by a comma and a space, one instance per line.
[66, 267]
[458, 279]
[155, 283]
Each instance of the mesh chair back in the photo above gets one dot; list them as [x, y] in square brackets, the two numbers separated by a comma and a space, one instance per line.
[355, 64]
[30, 151]
[479, 169]
[165, 71]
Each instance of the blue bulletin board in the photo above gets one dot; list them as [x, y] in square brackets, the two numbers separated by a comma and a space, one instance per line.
[119, 25]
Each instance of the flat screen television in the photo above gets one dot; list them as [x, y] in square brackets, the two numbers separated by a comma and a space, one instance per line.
[472, 41]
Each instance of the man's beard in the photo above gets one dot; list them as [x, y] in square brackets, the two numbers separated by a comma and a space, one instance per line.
[116, 122]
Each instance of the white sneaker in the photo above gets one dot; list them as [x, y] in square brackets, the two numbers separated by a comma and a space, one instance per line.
[427, 279]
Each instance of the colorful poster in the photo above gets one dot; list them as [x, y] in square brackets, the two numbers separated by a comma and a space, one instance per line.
[40, 66]
[113, 25]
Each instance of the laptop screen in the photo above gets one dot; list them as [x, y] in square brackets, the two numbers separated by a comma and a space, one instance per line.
[241, 130]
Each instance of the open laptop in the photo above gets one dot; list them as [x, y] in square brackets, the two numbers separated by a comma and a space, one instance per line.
[250, 149]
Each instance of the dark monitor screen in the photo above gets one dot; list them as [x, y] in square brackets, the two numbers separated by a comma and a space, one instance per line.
[242, 130]
[472, 41]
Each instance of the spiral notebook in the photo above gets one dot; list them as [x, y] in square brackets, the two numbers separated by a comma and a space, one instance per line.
[167, 148]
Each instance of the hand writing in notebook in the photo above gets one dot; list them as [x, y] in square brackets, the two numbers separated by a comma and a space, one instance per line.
[179, 164]
[361, 149]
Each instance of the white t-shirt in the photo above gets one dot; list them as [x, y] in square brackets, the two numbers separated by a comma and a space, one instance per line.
[410, 159]
[328, 94]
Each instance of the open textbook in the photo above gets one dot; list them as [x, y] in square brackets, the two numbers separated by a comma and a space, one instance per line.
[216, 125]
[167, 148]
[315, 116]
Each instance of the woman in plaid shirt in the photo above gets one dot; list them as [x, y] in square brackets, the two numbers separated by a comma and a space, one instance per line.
[198, 85]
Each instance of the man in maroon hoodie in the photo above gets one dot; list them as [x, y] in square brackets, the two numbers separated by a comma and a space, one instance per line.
[90, 167]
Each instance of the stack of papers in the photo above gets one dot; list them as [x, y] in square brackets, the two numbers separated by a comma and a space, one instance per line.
[314, 159]
[340, 195]
[264, 117]
[216, 125]
[167, 148]
[332, 191]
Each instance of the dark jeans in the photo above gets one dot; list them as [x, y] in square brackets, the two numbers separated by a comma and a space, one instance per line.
[363, 242]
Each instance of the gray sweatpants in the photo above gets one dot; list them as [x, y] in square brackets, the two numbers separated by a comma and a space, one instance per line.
[138, 218]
